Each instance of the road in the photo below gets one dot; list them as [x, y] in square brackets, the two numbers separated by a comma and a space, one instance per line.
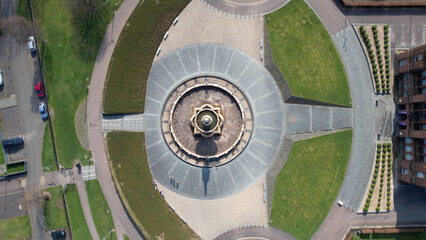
[11, 198]
[23, 69]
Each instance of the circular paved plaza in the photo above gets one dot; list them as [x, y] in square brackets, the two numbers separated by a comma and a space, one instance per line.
[214, 120]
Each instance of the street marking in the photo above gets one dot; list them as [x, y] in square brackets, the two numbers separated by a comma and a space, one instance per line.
[7, 194]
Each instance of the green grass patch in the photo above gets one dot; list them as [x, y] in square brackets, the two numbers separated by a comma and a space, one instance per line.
[131, 61]
[15, 168]
[54, 209]
[79, 228]
[309, 182]
[130, 167]
[24, 9]
[15, 228]
[394, 236]
[126, 237]
[67, 68]
[47, 154]
[100, 210]
[305, 53]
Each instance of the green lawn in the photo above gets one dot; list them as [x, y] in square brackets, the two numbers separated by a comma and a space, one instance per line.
[54, 209]
[67, 66]
[15, 168]
[131, 171]
[394, 236]
[309, 182]
[15, 228]
[79, 228]
[47, 154]
[24, 9]
[131, 61]
[100, 210]
[305, 53]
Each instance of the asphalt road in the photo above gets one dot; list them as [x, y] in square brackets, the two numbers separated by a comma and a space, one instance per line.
[11, 197]
[22, 67]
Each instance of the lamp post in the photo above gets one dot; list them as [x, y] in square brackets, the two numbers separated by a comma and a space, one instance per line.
[112, 230]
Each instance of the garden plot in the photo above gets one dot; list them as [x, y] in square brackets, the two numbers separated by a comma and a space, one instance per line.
[375, 41]
[379, 197]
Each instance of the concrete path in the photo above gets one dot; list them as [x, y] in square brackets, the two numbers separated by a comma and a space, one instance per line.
[130, 122]
[94, 118]
[84, 200]
[8, 102]
[246, 7]
[308, 118]
[255, 232]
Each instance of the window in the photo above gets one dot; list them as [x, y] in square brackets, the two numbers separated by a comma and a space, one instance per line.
[408, 140]
[407, 76]
[408, 157]
[417, 58]
[404, 171]
[423, 82]
[420, 174]
[402, 62]
[424, 158]
[407, 85]
[406, 93]
[422, 116]
[424, 74]
[408, 149]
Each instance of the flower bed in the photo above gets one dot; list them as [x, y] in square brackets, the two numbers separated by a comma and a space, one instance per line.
[379, 195]
[375, 41]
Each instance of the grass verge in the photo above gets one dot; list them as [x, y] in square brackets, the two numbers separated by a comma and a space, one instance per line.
[133, 180]
[15, 167]
[47, 154]
[66, 71]
[79, 228]
[15, 228]
[394, 236]
[54, 209]
[309, 182]
[305, 53]
[131, 61]
[100, 210]
[24, 9]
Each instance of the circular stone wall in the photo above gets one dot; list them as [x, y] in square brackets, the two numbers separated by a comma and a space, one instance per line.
[235, 114]
[244, 79]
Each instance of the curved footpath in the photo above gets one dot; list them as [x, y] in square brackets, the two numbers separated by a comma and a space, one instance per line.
[94, 117]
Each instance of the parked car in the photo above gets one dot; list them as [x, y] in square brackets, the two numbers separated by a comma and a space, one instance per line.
[12, 141]
[59, 234]
[43, 111]
[39, 89]
[1, 78]
[31, 44]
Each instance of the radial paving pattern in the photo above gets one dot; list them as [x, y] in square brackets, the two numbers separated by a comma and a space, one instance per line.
[259, 99]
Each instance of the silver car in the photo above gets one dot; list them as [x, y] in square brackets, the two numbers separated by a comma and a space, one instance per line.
[43, 111]
[31, 44]
[1, 78]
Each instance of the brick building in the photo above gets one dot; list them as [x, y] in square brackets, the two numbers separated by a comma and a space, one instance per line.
[410, 78]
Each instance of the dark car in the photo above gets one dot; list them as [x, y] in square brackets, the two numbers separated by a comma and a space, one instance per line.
[39, 89]
[59, 234]
[12, 141]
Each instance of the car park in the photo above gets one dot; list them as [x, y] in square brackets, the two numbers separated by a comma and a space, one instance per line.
[39, 89]
[12, 141]
[1, 78]
[43, 111]
[59, 234]
[31, 44]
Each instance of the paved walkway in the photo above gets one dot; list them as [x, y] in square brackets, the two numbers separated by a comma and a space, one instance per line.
[130, 122]
[8, 102]
[94, 118]
[255, 232]
[84, 200]
[246, 7]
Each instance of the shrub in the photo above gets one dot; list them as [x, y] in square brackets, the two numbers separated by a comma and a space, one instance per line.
[386, 31]
[383, 170]
[387, 89]
[376, 39]
[363, 31]
[380, 189]
[365, 209]
[389, 159]
[388, 204]
[382, 175]
[386, 26]
[389, 165]
[383, 160]
[367, 205]
[388, 198]
[386, 41]
[378, 204]
[380, 195]
[371, 190]
[374, 65]
[389, 149]
[378, 51]
[381, 184]
[375, 70]
[377, 160]
[375, 31]
[370, 195]
[389, 178]
[372, 55]
[370, 51]
[373, 186]
[389, 189]
[386, 46]
[361, 27]
[367, 40]
[388, 208]
[374, 181]
[374, 27]
[386, 36]
[377, 209]
[376, 170]
[387, 81]
[389, 173]
[368, 200]
[381, 65]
